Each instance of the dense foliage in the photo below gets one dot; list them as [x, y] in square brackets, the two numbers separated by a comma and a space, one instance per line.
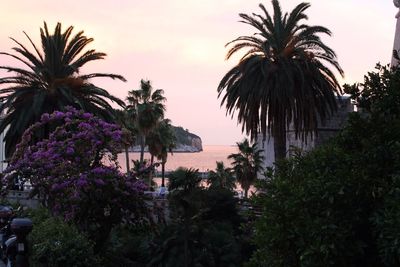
[338, 205]
[203, 228]
[56, 243]
[75, 173]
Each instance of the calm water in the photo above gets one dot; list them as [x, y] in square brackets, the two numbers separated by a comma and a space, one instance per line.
[203, 161]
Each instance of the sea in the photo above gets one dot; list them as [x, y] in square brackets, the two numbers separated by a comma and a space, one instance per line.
[204, 161]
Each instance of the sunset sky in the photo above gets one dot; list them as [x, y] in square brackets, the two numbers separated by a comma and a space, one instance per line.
[179, 45]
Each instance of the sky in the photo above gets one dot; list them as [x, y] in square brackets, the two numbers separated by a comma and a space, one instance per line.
[180, 45]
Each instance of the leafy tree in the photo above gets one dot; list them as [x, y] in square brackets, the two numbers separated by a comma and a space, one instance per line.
[247, 164]
[338, 205]
[283, 78]
[51, 81]
[75, 173]
[222, 177]
[149, 109]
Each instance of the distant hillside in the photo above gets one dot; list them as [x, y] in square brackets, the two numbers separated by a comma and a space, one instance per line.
[187, 141]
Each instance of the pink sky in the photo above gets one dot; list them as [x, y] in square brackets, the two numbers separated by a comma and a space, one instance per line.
[179, 45]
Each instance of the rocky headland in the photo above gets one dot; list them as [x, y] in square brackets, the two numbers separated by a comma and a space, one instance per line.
[186, 142]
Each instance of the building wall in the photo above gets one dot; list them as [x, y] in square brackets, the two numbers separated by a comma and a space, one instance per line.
[325, 131]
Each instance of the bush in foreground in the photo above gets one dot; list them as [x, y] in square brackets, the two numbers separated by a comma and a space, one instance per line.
[338, 205]
[56, 243]
[75, 173]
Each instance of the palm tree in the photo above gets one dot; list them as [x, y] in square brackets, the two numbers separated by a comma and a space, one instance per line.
[283, 78]
[184, 180]
[50, 81]
[149, 108]
[125, 119]
[183, 184]
[161, 141]
[222, 177]
[246, 164]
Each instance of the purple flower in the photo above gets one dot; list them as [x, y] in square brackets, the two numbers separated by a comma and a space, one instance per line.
[100, 171]
[116, 135]
[58, 187]
[87, 115]
[70, 151]
[45, 117]
[99, 182]
[58, 115]
[84, 125]
[81, 182]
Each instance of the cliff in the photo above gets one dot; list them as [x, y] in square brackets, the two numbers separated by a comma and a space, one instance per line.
[187, 141]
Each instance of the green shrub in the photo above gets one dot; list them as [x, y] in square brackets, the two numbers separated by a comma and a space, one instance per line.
[55, 243]
[386, 223]
[339, 204]
[312, 214]
[128, 246]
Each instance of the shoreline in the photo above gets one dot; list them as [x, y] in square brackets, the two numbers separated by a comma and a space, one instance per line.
[179, 149]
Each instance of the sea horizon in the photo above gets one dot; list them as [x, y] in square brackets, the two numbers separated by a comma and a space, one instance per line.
[204, 160]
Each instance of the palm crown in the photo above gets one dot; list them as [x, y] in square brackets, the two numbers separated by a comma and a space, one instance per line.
[222, 177]
[247, 163]
[148, 106]
[147, 109]
[282, 78]
[51, 81]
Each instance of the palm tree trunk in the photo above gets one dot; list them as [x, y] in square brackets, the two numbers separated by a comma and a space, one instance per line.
[280, 143]
[127, 159]
[142, 145]
[163, 173]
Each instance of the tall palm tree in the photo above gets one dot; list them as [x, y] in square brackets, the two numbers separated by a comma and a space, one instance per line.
[149, 107]
[161, 141]
[283, 78]
[222, 177]
[246, 164]
[50, 81]
[126, 120]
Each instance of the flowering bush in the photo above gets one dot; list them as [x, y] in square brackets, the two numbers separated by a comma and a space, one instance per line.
[75, 172]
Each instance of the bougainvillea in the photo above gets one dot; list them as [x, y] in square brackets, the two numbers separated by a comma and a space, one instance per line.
[75, 172]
